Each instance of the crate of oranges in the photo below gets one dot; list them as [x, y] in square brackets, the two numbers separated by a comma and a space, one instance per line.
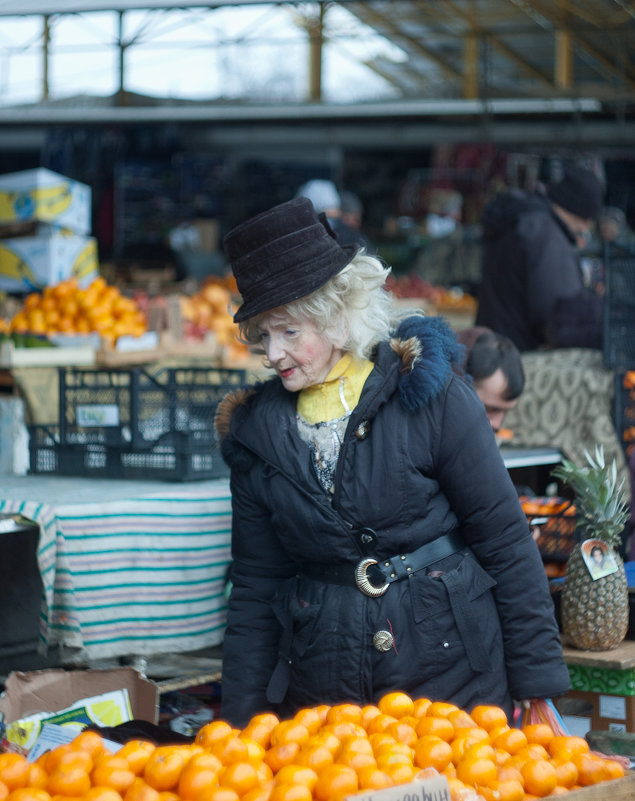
[330, 753]
[554, 519]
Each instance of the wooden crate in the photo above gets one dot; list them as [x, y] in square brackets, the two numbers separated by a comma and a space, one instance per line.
[615, 790]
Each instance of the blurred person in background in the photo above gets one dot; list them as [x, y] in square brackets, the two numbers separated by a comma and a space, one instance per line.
[533, 288]
[327, 200]
[496, 368]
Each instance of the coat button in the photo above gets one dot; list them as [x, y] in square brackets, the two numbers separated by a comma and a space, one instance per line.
[383, 640]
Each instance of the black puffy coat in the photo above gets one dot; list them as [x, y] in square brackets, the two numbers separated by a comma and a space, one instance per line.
[418, 460]
[532, 289]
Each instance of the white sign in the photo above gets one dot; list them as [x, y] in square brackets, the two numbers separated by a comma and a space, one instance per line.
[97, 414]
[612, 706]
[430, 789]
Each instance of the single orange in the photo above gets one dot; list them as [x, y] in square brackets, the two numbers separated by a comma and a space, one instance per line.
[380, 723]
[280, 755]
[68, 779]
[478, 770]
[510, 740]
[140, 790]
[540, 733]
[539, 776]
[168, 795]
[265, 774]
[372, 778]
[510, 790]
[289, 731]
[400, 772]
[488, 716]
[402, 732]
[29, 794]
[296, 774]
[309, 717]
[565, 745]
[566, 772]
[255, 751]
[441, 727]
[461, 720]
[335, 782]
[369, 712]
[240, 776]
[14, 770]
[614, 769]
[480, 750]
[441, 709]
[112, 771]
[356, 745]
[505, 772]
[591, 768]
[195, 777]
[315, 756]
[396, 704]
[231, 749]
[90, 741]
[136, 753]
[326, 738]
[260, 793]
[164, 766]
[351, 713]
[291, 792]
[432, 752]
[67, 754]
[211, 732]
[420, 707]
[37, 777]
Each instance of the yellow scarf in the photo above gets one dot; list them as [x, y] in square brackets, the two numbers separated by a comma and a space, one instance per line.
[338, 394]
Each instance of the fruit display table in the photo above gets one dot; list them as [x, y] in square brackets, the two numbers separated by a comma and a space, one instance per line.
[606, 680]
[127, 567]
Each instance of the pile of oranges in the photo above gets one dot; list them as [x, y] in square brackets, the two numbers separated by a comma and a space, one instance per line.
[323, 753]
[66, 308]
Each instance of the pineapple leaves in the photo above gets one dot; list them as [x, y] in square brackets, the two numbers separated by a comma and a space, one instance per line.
[599, 499]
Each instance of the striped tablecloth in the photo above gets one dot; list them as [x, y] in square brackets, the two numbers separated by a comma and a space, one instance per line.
[128, 568]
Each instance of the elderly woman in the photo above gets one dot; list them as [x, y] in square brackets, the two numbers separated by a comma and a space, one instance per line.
[378, 543]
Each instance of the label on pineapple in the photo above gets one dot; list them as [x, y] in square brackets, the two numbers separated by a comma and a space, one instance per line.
[599, 558]
[432, 788]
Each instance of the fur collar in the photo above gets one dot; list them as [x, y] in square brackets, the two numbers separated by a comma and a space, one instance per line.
[428, 353]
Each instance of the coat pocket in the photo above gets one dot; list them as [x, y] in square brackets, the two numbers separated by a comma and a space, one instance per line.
[465, 591]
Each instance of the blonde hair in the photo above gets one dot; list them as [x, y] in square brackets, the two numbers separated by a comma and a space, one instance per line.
[352, 308]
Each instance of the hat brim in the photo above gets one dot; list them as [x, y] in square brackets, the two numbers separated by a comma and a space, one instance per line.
[321, 272]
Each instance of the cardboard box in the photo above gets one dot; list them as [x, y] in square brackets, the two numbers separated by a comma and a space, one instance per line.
[37, 691]
[46, 196]
[31, 263]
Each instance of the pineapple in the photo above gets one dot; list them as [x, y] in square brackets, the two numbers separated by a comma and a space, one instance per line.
[595, 613]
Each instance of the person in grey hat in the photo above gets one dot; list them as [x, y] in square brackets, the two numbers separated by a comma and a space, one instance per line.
[532, 288]
[378, 543]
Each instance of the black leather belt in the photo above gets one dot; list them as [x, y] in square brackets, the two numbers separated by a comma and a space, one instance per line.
[388, 570]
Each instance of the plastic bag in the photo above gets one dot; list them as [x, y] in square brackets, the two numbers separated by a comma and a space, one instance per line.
[542, 710]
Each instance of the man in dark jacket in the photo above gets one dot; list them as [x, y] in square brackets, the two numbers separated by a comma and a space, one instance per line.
[532, 287]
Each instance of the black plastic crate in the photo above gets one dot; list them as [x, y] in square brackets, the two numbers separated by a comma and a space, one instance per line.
[135, 424]
[624, 413]
[619, 311]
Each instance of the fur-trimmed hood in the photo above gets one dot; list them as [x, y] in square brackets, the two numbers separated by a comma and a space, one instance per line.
[428, 354]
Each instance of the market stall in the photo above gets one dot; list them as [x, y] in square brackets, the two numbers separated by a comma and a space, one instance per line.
[128, 567]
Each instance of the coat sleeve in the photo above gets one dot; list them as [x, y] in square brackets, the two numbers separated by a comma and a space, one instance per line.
[250, 646]
[474, 478]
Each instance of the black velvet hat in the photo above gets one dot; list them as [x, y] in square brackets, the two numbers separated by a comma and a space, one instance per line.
[580, 192]
[281, 255]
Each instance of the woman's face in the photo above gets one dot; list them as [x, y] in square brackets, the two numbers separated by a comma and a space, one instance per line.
[297, 351]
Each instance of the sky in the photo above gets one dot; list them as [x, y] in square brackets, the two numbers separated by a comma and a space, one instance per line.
[256, 51]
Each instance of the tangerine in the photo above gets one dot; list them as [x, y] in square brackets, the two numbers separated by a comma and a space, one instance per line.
[68, 779]
[350, 713]
[140, 790]
[291, 792]
[336, 782]
[212, 732]
[372, 778]
[296, 774]
[136, 753]
[239, 776]
[432, 752]
[488, 716]
[114, 772]
[396, 704]
[441, 727]
[315, 756]
[289, 731]
[14, 770]
[540, 733]
[477, 770]
[539, 776]
[164, 766]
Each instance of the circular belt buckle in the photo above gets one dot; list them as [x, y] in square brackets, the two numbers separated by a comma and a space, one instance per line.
[363, 582]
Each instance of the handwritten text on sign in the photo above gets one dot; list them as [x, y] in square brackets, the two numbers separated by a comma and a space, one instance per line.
[429, 789]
